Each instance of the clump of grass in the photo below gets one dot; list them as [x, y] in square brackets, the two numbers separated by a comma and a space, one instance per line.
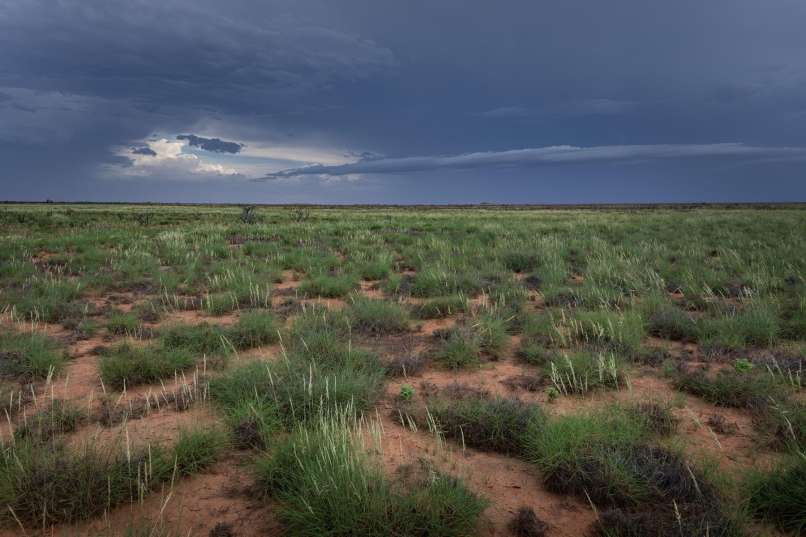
[621, 332]
[756, 325]
[440, 307]
[581, 373]
[328, 286]
[377, 317]
[326, 484]
[526, 524]
[47, 483]
[28, 355]
[196, 339]
[656, 418]
[253, 329]
[533, 353]
[670, 322]
[476, 419]
[605, 459]
[491, 330]
[785, 425]
[779, 496]
[254, 423]
[219, 303]
[460, 349]
[57, 418]
[128, 365]
[753, 389]
[376, 269]
[196, 449]
[50, 300]
[521, 261]
[120, 324]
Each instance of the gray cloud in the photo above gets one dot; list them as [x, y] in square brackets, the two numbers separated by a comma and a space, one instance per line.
[144, 151]
[563, 154]
[215, 145]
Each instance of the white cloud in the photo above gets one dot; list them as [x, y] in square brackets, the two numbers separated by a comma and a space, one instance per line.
[169, 159]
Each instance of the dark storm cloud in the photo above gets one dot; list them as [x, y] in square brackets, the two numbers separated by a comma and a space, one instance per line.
[215, 145]
[83, 81]
[548, 155]
[144, 151]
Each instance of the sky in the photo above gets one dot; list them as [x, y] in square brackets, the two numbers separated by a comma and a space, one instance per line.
[415, 101]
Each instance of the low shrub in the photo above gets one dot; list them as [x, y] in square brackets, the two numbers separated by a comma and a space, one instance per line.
[779, 496]
[440, 307]
[129, 365]
[327, 485]
[377, 317]
[28, 356]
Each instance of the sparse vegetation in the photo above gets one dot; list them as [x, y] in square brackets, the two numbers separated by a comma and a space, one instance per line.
[626, 353]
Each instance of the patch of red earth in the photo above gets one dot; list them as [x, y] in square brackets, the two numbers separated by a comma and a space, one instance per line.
[123, 301]
[290, 281]
[491, 377]
[371, 289]
[678, 349]
[80, 377]
[194, 317]
[505, 482]
[160, 427]
[430, 326]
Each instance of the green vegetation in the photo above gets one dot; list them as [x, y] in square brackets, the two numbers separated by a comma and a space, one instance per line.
[779, 496]
[128, 364]
[561, 306]
[48, 483]
[327, 484]
[28, 355]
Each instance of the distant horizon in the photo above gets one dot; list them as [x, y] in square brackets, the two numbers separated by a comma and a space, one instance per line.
[525, 205]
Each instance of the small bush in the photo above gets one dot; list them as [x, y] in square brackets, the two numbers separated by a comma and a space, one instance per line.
[757, 325]
[492, 424]
[674, 324]
[127, 365]
[196, 339]
[220, 303]
[521, 261]
[440, 307]
[123, 324]
[58, 418]
[28, 356]
[459, 350]
[526, 524]
[492, 334]
[779, 496]
[327, 485]
[328, 286]
[579, 374]
[47, 483]
[377, 317]
[196, 449]
[253, 329]
[752, 389]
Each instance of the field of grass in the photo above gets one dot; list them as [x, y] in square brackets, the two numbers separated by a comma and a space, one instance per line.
[616, 371]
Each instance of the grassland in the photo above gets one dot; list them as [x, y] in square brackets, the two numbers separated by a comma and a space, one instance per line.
[205, 370]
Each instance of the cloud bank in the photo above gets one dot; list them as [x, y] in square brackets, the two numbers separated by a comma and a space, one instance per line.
[561, 154]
